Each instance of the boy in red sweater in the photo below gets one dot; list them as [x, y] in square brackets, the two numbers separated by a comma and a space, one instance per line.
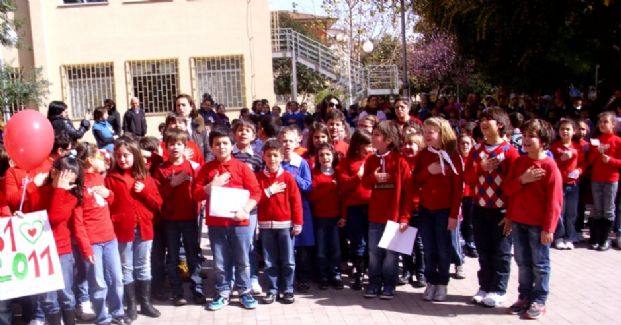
[179, 215]
[335, 120]
[229, 237]
[535, 190]
[605, 160]
[280, 219]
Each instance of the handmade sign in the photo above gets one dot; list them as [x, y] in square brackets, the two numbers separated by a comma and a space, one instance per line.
[29, 261]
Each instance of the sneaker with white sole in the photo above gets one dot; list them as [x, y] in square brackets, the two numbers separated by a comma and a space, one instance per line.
[535, 311]
[478, 297]
[430, 292]
[440, 294]
[569, 245]
[255, 288]
[494, 299]
[84, 311]
[560, 244]
[36, 322]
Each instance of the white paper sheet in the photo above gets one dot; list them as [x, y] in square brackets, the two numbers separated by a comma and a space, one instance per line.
[224, 201]
[394, 240]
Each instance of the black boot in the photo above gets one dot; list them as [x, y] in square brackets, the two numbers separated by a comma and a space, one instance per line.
[594, 233]
[604, 242]
[358, 272]
[54, 319]
[146, 307]
[130, 300]
[68, 317]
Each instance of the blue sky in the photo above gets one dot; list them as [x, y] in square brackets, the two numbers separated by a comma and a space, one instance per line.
[305, 6]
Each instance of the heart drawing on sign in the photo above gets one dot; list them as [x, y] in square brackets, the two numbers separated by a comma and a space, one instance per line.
[32, 231]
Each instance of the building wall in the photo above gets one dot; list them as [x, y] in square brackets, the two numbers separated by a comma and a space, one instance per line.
[123, 30]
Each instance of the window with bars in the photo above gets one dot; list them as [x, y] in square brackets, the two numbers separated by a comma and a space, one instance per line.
[15, 74]
[222, 77]
[86, 86]
[154, 83]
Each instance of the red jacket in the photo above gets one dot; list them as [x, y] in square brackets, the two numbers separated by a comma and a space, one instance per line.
[351, 185]
[5, 211]
[179, 204]
[130, 209]
[605, 172]
[341, 148]
[65, 217]
[388, 200]
[97, 222]
[241, 177]
[325, 196]
[537, 203]
[282, 210]
[13, 182]
[575, 163]
[439, 191]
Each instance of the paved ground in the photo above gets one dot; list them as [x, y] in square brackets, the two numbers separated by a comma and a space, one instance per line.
[584, 290]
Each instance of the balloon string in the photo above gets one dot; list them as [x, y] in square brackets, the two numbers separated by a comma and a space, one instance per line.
[25, 182]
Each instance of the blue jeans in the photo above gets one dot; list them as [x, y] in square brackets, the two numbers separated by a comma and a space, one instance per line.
[230, 247]
[105, 281]
[175, 232]
[457, 254]
[327, 245]
[253, 257]
[6, 315]
[80, 283]
[136, 259]
[617, 225]
[533, 260]
[604, 195]
[64, 299]
[566, 227]
[494, 249]
[279, 259]
[466, 228]
[383, 264]
[357, 228]
[432, 226]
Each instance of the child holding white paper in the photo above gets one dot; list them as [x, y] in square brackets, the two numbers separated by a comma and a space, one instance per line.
[229, 237]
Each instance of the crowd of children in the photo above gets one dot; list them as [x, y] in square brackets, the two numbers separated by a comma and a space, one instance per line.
[124, 220]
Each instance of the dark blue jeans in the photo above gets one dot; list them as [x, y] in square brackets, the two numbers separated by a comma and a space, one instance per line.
[357, 228]
[63, 299]
[80, 282]
[6, 315]
[414, 264]
[494, 249]
[566, 227]
[383, 264]
[432, 226]
[533, 261]
[457, 254]
[466, 227]
[279, 260]
[327, 246]
[158, 257]
[186, 230]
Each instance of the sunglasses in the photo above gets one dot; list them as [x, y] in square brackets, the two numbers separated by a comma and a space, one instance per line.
[332, 104]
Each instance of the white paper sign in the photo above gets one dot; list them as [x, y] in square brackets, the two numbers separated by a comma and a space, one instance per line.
[395, 240]
[29, 261]
[224, 201]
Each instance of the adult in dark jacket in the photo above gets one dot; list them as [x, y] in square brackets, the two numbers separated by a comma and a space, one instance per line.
[114, 118]
[58, 115]
[134, 120]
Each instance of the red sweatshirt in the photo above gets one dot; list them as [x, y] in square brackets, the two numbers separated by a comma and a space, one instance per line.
[14, 184]
[605, 172]
[179, 204]
[241, 177]
[537, 203]
[131, 209]
[65, 217]
[576, 164]
[97, 222]
[325, 196]
[352, 191]
[282, 210]
[439, 191]
[388, 200]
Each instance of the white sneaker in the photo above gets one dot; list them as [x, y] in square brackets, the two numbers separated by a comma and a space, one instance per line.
[560, 244]
[85, 312]
[429, 293]
[37, 322]
[440, 294]
[569, 245]
[494, 299]
[478, 297]
[256, 288]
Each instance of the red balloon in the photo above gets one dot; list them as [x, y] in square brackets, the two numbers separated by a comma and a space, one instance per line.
[28, 138]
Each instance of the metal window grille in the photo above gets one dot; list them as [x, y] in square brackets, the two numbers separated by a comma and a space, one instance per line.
[154, 83]
[86, 86]
[223, 77]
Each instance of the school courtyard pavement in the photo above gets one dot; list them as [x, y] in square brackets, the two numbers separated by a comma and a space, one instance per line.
[585, 289]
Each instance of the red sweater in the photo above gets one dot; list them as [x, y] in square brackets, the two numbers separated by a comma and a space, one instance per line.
[325, 196]
[468, 189]
[65, 217]
[241, 177]
[97, 222]
[14, 180]
[576, 162]
[179, 204]
[341, 148]
[388, 200]
[282, 210]
[537, 203]
[605, 172]
[439, 191]
[352, 191]
[5, 211]
[131, 209]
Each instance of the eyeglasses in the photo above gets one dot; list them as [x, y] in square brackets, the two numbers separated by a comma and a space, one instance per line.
[333, 104]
